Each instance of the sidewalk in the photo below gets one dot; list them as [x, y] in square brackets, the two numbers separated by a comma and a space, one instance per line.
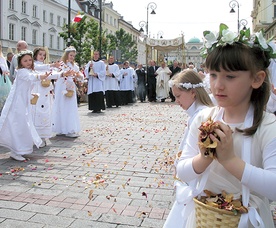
[116, 174]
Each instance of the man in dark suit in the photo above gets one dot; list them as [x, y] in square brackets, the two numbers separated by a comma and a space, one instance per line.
[174, 69]
[151, 81]
[9, 59]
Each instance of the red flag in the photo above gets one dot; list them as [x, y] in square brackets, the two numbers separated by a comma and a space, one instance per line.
[78, 18]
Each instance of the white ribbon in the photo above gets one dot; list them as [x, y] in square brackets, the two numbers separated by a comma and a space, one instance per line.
[252, 215]
[185, 193]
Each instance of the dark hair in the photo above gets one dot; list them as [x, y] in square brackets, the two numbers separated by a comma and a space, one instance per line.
[36, 50]
[240, 57]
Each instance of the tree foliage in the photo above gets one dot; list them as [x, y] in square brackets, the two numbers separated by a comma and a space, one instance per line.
[123, 41]
[86, 35]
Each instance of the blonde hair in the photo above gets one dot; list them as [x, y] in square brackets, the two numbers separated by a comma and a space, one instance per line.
[190, 77]
[68, 50]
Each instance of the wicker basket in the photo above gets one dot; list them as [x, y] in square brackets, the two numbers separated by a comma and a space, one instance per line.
[45, 83]
[69, 93]
[208, 216]
[34, 99]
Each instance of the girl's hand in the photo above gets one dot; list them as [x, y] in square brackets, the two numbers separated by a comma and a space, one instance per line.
[273, 89]
[68, 73]
[224, 149]
[57, 64]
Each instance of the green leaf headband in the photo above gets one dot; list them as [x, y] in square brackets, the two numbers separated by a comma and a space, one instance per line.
[225, 36]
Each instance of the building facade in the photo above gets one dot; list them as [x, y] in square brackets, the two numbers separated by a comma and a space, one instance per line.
[263, 17]
[39, 22]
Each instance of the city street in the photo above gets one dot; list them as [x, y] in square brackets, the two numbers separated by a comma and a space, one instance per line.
[118, 173]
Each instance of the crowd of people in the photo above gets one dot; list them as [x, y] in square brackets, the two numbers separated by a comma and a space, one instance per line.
[39, 99]
[234, 90]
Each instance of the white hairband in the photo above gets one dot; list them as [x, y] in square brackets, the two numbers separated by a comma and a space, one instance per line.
[70, 49]
[186, 85]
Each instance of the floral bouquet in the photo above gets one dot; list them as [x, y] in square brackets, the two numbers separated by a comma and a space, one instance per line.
[207, 128]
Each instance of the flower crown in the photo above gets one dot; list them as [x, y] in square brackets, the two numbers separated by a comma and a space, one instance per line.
[186, 85]
[224, 37]
[69, 49]
[25, 52]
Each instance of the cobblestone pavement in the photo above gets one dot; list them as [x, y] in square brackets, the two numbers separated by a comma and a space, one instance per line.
[116, 174]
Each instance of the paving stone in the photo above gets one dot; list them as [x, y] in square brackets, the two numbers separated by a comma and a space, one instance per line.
[43, 209]
[51, 220]
[10, 223]
[119, 219]
[11, 204]
[12, 214]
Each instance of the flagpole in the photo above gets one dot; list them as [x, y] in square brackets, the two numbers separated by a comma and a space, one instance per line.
[69, 23]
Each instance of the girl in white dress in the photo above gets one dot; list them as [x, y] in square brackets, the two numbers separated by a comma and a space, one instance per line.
[190, 94]
[245, 158]
[42, 111]
[17, 131]
[65, 113]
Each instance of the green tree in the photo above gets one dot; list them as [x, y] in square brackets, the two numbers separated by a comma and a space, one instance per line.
[123, 41]
[84, 35]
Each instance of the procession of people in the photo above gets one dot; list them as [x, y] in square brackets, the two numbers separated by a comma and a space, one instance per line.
[41, 98]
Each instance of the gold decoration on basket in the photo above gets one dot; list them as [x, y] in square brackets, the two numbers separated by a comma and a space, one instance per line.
[45, 83]
[34, 99]
[207, 128]
[218, 210]
[69, 93]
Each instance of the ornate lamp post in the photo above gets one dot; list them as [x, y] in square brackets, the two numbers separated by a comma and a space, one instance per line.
[69, 23]
[151, 6]
[232, 5]
[243, 23]
[160, 35]
[142, 24]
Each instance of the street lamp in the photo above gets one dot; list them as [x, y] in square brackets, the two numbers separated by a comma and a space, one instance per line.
[69, 23]
[151, 6]
[160, 35]
[243, 22]
[232, 5]
[142, 24]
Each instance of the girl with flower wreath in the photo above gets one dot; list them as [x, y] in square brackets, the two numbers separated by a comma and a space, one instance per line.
[190, 94]
[65, 111]
[17, 131]
[245, 160]
[42, 110]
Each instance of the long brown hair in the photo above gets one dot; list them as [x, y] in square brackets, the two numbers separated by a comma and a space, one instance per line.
[239, 57]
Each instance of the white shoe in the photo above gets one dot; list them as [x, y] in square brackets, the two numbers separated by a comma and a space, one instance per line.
[43, 144]
[17, 157]
[72, 135]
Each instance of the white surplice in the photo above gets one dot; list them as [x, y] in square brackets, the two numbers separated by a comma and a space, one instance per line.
[162, 87]
[95, 84]
[112, 83]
